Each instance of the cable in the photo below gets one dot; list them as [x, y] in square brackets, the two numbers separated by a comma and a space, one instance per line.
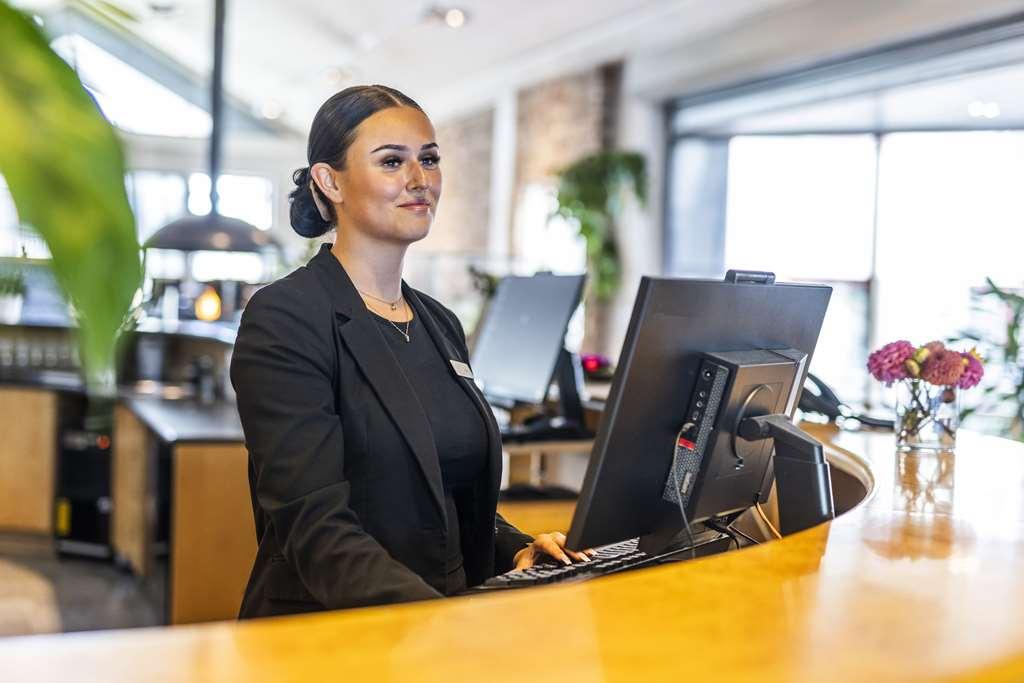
[764, 518]
[682, 510]
[744, 535]
[724, 529]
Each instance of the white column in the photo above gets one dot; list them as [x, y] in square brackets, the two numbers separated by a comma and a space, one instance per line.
[503, 174]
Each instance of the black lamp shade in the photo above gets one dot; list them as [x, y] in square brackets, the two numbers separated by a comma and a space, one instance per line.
[212, 232]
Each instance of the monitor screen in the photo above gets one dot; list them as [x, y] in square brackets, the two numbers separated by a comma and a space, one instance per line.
[522, 334]
[674, 323]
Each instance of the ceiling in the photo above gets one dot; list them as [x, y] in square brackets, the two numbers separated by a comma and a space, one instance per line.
[285, 58]
[991, 99]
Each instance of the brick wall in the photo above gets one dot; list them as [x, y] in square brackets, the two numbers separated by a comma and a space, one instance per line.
[464, 212]
[559, 121]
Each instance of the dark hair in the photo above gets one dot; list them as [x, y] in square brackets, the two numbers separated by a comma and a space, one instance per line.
[332, 132]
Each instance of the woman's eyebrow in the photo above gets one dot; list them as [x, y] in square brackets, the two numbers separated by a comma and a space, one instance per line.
[403, 148]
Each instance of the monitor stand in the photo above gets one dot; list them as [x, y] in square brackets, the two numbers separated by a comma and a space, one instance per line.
[802, 476]
[568, 425]
[802, 480]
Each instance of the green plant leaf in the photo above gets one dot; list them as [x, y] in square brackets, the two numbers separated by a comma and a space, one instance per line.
[64, 166]
[590, 193]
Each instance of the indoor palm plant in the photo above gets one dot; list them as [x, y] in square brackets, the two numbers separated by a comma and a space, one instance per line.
[591, 194]
[65, 169]
[1002, 398]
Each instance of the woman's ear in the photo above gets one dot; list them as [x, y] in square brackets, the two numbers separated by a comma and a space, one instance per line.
[325, 178]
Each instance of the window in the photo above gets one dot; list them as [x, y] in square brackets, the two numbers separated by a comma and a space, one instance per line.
[803, 208]
[156, 198]
[128, 98]
[904, 255]
[950, 214]
[17, 239]
[250, 198]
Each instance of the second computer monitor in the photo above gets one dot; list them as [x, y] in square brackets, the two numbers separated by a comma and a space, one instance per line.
[522, 334]
[675, 323]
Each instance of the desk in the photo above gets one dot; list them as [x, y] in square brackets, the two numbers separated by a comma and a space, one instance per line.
[539, 462]
[923, 581]
[212, 537]
[28, 459]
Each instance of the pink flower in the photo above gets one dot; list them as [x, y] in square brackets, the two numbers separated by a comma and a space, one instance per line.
[886, 364]
[973, 371]
[943, 367]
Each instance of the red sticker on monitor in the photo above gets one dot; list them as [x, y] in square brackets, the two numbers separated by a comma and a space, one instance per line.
[686, 443]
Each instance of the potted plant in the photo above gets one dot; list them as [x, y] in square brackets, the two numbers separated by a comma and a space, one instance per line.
[65, 170]
[12, 293]
[1004, 397]
[591, 194]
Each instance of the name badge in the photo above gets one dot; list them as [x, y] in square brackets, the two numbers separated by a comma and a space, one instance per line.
[461, 369]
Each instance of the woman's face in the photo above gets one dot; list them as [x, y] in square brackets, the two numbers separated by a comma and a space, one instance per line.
[391, 182]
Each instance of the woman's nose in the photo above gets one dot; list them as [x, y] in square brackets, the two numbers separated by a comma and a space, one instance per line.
[417, 178]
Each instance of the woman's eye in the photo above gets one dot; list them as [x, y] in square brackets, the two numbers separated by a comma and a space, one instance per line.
[432, 160]
[392, 162]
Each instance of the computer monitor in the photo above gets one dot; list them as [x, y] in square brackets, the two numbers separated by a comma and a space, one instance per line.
[522, 336]
[761, 333]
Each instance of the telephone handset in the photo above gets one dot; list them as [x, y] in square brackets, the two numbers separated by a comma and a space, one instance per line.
[818, 397]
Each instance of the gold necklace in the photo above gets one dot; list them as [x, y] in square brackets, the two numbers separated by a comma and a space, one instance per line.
[405, 332]
[392, 304]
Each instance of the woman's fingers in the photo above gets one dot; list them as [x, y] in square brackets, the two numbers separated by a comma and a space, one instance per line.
[549, 544]
[552, 544]
[578, 556]
[524, 558]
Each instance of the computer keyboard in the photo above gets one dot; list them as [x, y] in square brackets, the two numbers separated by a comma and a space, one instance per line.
[610, 559]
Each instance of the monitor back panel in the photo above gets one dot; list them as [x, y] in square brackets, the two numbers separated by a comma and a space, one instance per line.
[673, 322]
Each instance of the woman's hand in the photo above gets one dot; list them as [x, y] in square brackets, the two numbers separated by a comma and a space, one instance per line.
[552, 544]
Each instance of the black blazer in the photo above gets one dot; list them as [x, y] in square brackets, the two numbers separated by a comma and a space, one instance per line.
[344, 475]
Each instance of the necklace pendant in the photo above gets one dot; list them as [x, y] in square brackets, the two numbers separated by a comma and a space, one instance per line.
[406, 338]
[394, 307]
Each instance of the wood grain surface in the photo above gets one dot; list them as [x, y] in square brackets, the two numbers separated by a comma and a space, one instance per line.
[923, 581]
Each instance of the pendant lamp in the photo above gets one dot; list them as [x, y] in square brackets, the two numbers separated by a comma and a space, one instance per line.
[212, 232]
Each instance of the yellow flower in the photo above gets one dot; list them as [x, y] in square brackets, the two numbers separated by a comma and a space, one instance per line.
[912, 367]
[920, 355]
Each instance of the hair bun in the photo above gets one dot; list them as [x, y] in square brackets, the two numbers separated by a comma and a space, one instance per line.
[305, 217]
[301, 176]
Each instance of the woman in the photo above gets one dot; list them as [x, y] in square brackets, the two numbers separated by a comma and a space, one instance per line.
[374, 460]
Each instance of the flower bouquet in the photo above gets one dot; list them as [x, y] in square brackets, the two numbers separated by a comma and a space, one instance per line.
[929, 379]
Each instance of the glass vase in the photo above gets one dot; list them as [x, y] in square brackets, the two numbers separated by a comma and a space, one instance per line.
[927, 416]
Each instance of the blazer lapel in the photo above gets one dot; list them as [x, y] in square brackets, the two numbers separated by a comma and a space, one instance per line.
[451, 352]
[372, 354]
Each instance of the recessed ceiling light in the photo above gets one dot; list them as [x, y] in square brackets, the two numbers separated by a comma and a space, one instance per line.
[983, 110]
[271, 109]
[455, 17]
[452, 17]
[335, 76]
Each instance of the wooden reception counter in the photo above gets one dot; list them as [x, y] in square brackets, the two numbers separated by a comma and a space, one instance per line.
[922, 581]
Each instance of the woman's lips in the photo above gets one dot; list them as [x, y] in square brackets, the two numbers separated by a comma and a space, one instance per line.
[416, 207]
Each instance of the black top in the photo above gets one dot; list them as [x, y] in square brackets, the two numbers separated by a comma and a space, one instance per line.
[348, 498]
[459, 433]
